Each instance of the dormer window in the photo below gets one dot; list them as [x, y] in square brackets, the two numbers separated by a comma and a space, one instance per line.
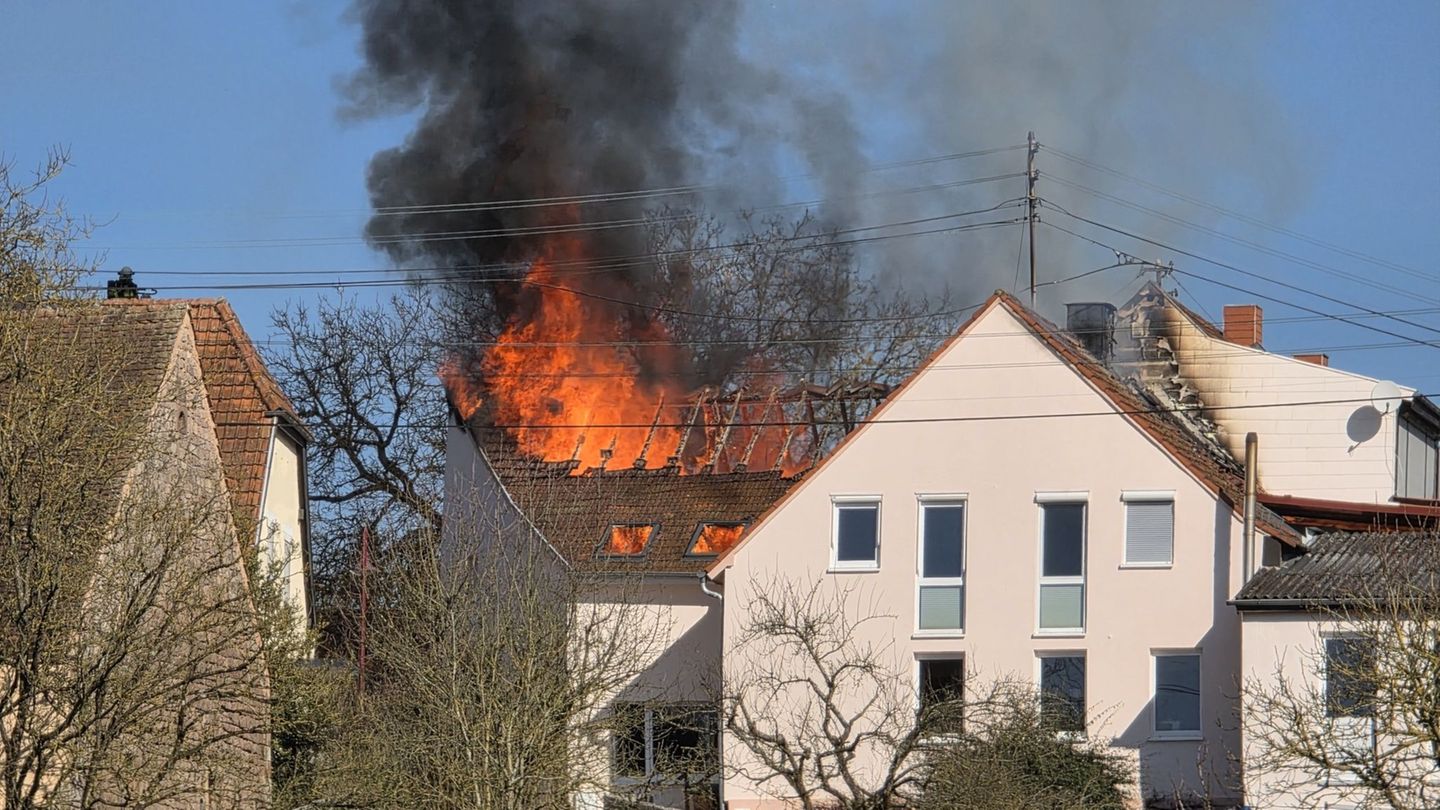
[1417, 452]
[627, 539]
[714, 539]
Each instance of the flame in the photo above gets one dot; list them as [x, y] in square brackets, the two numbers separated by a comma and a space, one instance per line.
[629, 540]
[578, 377]
[717, 538]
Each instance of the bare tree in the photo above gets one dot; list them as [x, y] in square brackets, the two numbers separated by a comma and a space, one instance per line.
[820, 716]
[131, 664]
[1360, 720]
[362, 377]
[490, 674]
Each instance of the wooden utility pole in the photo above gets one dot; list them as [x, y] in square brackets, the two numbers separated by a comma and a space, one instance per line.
[364, 603]
[1030, 177]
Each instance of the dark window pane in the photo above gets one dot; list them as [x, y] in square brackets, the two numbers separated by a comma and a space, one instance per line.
[942, 692]
[1064, 540]
[857, 527]
[1177, 693]
[1062, 692]
[686, 742]
[1350, 677]
[630, 741]
[944, 541]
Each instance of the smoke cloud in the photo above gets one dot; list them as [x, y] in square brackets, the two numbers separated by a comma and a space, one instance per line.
[535, 99]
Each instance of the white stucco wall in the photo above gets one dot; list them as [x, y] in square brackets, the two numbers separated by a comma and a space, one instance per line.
[1343, 451]
[999, 463]
[281, 526]
[675, 655]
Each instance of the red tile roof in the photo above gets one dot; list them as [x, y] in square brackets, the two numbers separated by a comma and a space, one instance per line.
[241, 393]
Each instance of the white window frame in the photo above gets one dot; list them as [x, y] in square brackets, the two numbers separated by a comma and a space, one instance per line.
[1175, 736]
[652, 775]
[1040, 656]
[917, 684]
[1043, 499]
[1145, 496]
[838, 502]
[923, 500]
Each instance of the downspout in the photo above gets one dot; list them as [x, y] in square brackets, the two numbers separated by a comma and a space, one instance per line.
[1252, 452]
[706, 589]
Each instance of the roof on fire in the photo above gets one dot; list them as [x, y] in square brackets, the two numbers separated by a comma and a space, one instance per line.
[575, 513]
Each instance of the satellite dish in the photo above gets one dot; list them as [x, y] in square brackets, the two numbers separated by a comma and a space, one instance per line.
[1385, 396]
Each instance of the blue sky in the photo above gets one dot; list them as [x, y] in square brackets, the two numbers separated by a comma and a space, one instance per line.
[203, 133]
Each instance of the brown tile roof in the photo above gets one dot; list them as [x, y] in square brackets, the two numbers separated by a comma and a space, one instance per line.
[241, 393]
[575, 512]
[1344, 568]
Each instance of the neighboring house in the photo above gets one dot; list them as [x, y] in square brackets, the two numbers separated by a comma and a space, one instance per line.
[650, 531]
[219, 716]
[262, 446]
[1061, 506]
[1307, 631]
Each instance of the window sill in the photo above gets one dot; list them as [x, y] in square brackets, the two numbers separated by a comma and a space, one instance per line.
[952, 634]
[1080, 633]
[1146, 566]
[853, 569]
[1188, 736]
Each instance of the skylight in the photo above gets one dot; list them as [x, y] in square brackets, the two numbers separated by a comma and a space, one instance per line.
[713, 539]
[627, 540]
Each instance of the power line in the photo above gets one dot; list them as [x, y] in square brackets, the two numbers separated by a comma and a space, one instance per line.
[1354, 254]
[600, 197]
[1251, 274]
[1324, 268]
[1009, 417]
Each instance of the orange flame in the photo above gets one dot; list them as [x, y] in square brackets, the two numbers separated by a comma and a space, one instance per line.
[566, 381]
[717, 538]
[628, 540]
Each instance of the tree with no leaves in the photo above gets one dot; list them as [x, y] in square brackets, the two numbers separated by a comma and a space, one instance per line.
[833, 723]
[490, 671]
[131, 663]
[1361, 723]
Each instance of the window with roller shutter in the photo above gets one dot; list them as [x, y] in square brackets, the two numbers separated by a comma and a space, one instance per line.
[940, 596]
[1149, 530]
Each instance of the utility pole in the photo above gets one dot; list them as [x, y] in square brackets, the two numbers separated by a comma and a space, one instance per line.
[364, 604]
[1030, 177]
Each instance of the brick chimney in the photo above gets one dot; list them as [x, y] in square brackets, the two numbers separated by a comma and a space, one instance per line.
[1243, 324]
[1317, 359]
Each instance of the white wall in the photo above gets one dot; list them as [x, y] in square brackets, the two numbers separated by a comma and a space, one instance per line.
[1343, 451]
[281, 526]
[1000, 464]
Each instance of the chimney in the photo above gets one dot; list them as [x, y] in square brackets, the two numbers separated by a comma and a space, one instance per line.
[124, 286]
[1317, 359]
[1243, 324]
[1093, 324]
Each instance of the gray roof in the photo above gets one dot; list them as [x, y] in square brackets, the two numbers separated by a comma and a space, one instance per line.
[1340, 569]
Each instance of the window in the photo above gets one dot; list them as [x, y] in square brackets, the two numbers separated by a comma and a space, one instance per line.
[627, 540]
[713, 539]
[1349, 677]
[1417, 454]
[1177, 694]
[857, 534]
[1062, 692]
[1062, 567]
[1149, 530]
[667, 743]
[942, 692]
[941, 599]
